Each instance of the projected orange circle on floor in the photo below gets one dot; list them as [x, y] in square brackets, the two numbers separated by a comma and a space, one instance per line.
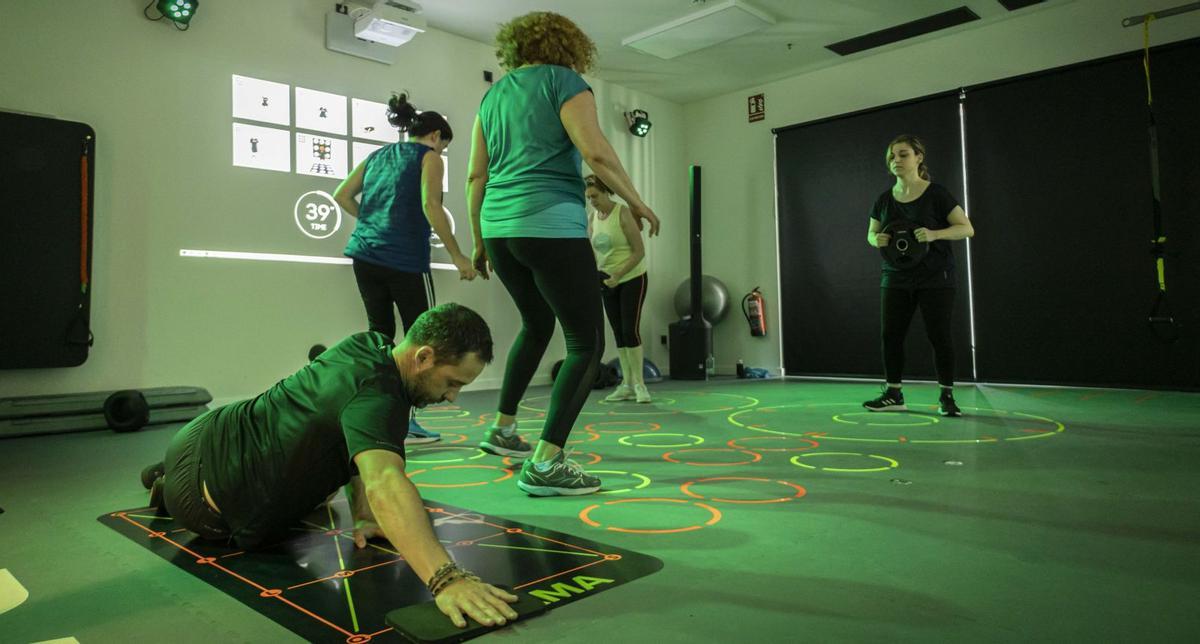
[442, 454]
[630, 440]
[665, 402]
[686, 488]
[714, 516]
[612, 426]
[505, 474]
[890, 463]
[807, 443]
[755, 457]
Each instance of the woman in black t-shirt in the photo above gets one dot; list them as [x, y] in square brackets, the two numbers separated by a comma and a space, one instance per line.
[929, 285]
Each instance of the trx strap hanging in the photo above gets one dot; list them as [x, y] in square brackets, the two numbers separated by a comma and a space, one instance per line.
[1161, 321]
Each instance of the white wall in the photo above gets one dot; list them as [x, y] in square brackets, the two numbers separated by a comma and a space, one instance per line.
[160, 103]
[738, 157]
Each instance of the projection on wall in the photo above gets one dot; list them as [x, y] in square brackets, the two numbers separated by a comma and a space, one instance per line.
[309, 140]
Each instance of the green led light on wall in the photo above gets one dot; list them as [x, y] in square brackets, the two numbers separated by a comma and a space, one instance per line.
[639, 122]
[179, 12]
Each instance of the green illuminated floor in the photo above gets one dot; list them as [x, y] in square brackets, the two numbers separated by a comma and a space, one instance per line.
[782, 511]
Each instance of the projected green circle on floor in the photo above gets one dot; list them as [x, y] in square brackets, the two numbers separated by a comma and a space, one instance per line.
[749, 490]
[652, 440]
[844, 462]
[459, 475]
[622, 426]
[669, 516]
[849, 422]
[739, 454]
[436, 454]
[638, 481]
[665, 402]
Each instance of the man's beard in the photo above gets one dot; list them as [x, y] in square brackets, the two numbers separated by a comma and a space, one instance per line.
[418, 391]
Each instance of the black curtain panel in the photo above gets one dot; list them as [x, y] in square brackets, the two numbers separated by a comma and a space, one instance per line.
[1058, 166]
[828, 175]
[47, 175]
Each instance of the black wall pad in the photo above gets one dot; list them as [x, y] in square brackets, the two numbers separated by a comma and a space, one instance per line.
[319, 586]
[1059, 173]
[828, 176]
[47, 178]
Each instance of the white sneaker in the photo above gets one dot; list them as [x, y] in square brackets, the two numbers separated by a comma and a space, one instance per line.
[642, 394]
[622, 392]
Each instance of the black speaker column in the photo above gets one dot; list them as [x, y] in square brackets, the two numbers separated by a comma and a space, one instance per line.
[691, 338]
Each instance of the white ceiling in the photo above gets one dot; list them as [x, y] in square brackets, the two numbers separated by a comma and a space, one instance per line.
[764, 56]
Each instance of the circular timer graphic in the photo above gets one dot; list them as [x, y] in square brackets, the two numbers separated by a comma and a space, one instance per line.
[317, 214]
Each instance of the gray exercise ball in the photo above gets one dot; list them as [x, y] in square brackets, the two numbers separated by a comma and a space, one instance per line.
[714, 299]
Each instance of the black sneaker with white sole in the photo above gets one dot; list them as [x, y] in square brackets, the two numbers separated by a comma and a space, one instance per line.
[889, 400]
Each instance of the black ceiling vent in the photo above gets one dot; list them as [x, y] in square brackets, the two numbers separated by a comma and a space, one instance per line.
[1013, 5]
[929, 24]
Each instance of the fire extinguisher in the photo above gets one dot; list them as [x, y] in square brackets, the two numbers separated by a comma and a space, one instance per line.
[755, 310]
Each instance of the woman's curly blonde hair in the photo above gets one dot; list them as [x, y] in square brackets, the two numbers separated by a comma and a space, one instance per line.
[544, 37]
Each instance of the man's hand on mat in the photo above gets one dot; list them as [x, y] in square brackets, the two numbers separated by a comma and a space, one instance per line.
[365, 531]
[484, 603]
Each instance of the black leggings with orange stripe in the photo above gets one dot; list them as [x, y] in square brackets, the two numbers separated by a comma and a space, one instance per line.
[623, 305]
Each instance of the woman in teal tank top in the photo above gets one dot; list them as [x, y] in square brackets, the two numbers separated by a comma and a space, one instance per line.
[525, 195]
[401, 202]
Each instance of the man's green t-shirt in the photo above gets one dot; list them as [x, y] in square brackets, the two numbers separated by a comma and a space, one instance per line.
[270, 460]
[535, 183]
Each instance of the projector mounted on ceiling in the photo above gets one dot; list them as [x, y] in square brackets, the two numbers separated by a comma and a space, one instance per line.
[389, 22]
[715, 24]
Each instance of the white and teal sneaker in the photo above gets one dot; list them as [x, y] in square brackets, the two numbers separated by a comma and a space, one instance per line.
[418, 435]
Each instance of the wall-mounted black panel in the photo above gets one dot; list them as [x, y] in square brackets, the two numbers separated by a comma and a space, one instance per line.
[1059, 171]
[47, 173]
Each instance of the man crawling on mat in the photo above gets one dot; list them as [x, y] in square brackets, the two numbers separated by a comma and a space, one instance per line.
[249, 471]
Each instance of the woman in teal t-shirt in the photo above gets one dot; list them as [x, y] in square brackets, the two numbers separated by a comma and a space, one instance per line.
[528, 221]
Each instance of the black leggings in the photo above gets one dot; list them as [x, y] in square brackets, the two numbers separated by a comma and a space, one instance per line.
[898, 306]
[623, 305]
[382, 288]
[551, 279]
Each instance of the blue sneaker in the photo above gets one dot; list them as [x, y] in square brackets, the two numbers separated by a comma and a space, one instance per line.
[418, 435]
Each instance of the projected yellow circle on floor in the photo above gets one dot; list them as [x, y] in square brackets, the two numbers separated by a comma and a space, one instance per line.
[438, 454]
[849, 422]
[652, 440]
[841, 461]
[460, 475]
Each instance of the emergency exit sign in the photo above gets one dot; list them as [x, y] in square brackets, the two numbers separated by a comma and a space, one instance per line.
[756, 107]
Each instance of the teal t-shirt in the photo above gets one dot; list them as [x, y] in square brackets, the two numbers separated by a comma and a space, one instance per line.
[535, 181]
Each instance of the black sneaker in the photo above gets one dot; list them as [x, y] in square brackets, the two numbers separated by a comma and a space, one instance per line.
[152, 472]
[889, 400]
[947, 406]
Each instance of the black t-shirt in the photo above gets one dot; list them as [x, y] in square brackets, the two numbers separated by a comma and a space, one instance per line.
[931, 210]
[270, 460]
